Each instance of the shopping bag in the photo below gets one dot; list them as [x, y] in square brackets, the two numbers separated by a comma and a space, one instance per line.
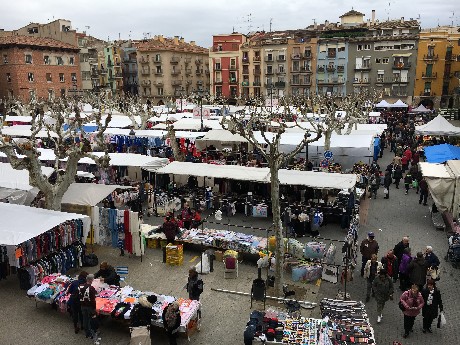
[414, 184]
[443, 319]
[385, 191]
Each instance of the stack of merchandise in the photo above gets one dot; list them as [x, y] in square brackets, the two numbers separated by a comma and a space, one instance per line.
[174, 254]
[350, 322]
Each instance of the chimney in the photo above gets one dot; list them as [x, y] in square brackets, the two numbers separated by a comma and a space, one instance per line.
[315, 26]
[181, 40]
[373, 17]
[176, 40]
[192, 43]
[160, 38]
[402, 20]
[326, 23]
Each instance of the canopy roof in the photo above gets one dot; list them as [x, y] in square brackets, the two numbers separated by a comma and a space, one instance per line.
[219, 138]
[441, 153]
[438, 126]
[18, 179]
[383, 104]
[88, 194]
[25, 131]
[195, 124]
[399, 104]
[319, 180]
[23, 223]
[420, 109]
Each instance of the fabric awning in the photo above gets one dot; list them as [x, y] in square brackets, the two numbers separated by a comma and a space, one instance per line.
[219, 138]
[317, 180]
[18, 179]
[438, 126]
[23, 223]
[88, 194]
[441, 153]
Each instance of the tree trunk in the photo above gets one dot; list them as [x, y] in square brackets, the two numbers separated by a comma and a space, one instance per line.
[178, 156]
[53, 202]
[278, 229]
[327, 139]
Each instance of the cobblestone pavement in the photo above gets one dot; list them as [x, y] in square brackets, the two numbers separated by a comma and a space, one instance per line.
[225, 315]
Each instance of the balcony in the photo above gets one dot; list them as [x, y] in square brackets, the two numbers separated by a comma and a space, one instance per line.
[146, 82]
[198, 71]
[245, 71]
[218, 82]
[245, 60]
[429, 75]
[256, 59]
[174, 59]
[281, 58]
[280, 84]
[305, 69]
[199, 82]
[340, 69]
[430, 57]
[331, 55]
[145, 71]
[157, 60]
[206, 71]
[295, 69]
[143, 60]
[159, 73]
[330, 81]
[175, 72]
[103, 71]
[330, 69]
[305, 82]
[404, 65]
[269, 72]
[92, 60]
[306, 56]
[198, 61]
[391, 80]
[232, 67]
[159, 83]
[321, 69]
[363, 67]
[118, 75]
[256, 83]
[245, 83]
[217, 68]
[362, 81]
[451, 57]
[295, 56]
[232, 81]
[269, 59]
[188, 71]
[257, 71]
[427, 93]
[109, 63]
[281, 72]
[176, 82]
[295, 82]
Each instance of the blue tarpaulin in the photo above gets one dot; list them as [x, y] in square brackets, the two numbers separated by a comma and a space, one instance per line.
[376, 148]
[86, 128]
[441, 153]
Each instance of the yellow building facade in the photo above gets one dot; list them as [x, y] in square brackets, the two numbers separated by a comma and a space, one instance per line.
[438, 68]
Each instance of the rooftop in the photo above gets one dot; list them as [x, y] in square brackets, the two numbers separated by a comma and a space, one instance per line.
[352, 13]
[35, 42]
[170, 44]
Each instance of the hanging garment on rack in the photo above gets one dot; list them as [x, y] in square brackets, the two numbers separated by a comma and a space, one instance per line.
[128, 235]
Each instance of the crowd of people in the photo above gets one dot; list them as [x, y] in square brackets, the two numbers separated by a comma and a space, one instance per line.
[417, 277]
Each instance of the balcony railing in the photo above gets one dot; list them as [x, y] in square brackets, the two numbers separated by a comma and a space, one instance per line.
[330, 81]
[188, 60]
[281, 58]
[429, 75]
[232, 67]
[232, 80]
[198, 61]
[257, 71]
[245, 59]
[146, 82]
[175, 72]
[256, 58]
[268, 71]
[188, 71]
[118, 75]
[306, 55]
[295, 69]
[269, 58]
[175, 59]
[280, 84]
[391, 80]
[198, 71]
[145, 71]
[158, 72]
[330, 68]
[305, 69]
[218, 82]
[340, 69]
[362, 81]
[256, 83]
[427, 93]
[143, 60]
[321, 69]
[245, 83]
[176, 82]
[430, 57]
[364, 66]
[157, 60]
[405, 65]
[281, 72]
[295, 56]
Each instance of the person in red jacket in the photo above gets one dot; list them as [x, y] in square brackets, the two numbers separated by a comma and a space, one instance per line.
[405, 163]
[412, 301]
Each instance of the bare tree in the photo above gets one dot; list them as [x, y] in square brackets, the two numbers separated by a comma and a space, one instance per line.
[249, 124]
[353, 107]
[60, 113]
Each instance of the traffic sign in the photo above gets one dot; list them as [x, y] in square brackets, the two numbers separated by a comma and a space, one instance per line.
[324, 163]
[328, 154]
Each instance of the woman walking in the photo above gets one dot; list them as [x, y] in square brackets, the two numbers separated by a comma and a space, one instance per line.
[171, 321]
[412, 302]
[432, 298]
[404, 270]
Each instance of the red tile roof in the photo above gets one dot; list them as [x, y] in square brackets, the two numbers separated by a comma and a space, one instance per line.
[168, 44]
[35, 42]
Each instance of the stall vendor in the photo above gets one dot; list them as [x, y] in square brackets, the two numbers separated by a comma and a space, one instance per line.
[107, 274]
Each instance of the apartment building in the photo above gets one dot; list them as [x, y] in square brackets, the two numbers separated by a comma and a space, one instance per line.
[129, 67]
[170, 67]
[89, 61]
[38, 67]
[226, 67]
[438, 67]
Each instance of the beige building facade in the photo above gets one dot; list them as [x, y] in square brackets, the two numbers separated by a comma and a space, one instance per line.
[170, 68]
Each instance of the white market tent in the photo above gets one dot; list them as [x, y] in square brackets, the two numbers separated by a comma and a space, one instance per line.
[88, 194]
[444, 184]
[16, 118]
[399, 104]
[22, 223]
[383, 104]
[438, 126]
[420, 109]
[18, 179]
[185, 124]
[219, 138]
[24, 131]
[374, 114]
[319, 180]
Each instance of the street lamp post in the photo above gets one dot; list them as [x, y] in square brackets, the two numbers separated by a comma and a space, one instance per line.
[306, 151]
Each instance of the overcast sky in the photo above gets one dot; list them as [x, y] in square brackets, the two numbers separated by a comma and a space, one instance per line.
[199, 19]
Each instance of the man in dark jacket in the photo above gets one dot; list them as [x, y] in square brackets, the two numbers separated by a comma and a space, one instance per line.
[107, 274]
[423, 185]
[417, 270]
[87, 296]
[74, 300]
[368, 247]
[391, 265]
[397, 175]
[387, 183]
[407, 182]
[398, 250]
[433, 301]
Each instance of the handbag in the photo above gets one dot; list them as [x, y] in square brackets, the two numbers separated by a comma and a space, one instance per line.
[441, 320]
[401, 306]
[433, 273]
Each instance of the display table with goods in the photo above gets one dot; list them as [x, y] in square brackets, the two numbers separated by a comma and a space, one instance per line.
[113, 301]
[278, 327]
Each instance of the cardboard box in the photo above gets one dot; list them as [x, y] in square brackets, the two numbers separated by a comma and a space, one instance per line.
[219, 255]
